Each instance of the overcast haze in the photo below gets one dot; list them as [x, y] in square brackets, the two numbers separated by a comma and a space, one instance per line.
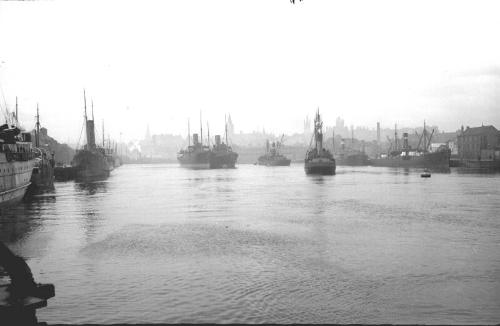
[266, 62]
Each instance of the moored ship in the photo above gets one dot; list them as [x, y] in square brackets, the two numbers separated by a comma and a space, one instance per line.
[199, 156]
[222, 155]
[273, 156]
[16, 164]
[90, 162]
[318, 159]
[195, 156]
[42, 177]
[420, 157]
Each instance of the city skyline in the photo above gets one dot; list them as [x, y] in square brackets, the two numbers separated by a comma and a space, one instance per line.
[268, 64]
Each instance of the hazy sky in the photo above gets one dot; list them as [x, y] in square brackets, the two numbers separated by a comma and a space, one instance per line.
[267, 62]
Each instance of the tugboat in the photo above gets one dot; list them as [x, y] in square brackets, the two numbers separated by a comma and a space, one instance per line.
[42, 177]
[90, 163]
[420, 157]
[16, 163]
[318, 159]
[273, 157]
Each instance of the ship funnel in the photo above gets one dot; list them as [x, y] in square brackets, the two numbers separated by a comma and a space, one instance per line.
[195, 139]
[405, 141]
[217, 140]
[90, 134]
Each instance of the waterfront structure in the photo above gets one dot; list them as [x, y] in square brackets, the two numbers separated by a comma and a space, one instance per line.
[273, 156]
[42, 177]
[16, 164]
[90, 162]
[479, 147]
[401, 154]
[318, 159]
[352, 158]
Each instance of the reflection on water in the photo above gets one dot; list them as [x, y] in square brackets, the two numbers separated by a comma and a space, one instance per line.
[158, 243]
[91, 188]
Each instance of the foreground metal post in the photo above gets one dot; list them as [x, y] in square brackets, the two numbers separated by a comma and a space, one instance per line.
[20, 299]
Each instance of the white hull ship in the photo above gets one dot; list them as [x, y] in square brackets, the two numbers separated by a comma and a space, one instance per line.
[16, 164]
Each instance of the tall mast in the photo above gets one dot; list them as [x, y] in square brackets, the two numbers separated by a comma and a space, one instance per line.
[208, 137]
[17, 116]
[37, 134]
[85, 104]
[92, 109]
[225, 128]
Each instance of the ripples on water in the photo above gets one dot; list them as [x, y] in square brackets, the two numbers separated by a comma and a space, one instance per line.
[157, 243]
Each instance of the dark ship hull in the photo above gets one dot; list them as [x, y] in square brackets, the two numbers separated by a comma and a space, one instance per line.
[195, 160]
[42, 178]
[322, 166]
[64, 173]
[274, 161]
[90, 165]
[208, 160]
[222, 160]
[357, 159]
[435, 160]
[318, 159]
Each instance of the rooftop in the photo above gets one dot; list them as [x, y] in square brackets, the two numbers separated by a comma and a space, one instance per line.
[479, 130]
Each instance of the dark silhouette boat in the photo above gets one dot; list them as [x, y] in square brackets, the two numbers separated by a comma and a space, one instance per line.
[90, 162]
[42, 178]
[318, 159]
[199, 156]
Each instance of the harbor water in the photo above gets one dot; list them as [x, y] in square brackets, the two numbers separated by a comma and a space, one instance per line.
[159, 243]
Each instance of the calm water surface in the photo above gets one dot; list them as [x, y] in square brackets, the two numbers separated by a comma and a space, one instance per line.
[157, 243]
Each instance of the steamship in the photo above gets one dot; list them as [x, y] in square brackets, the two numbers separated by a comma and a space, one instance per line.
[318, 159]
[90, 162]
[16, 164]
[406, 157]
[199, 156]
